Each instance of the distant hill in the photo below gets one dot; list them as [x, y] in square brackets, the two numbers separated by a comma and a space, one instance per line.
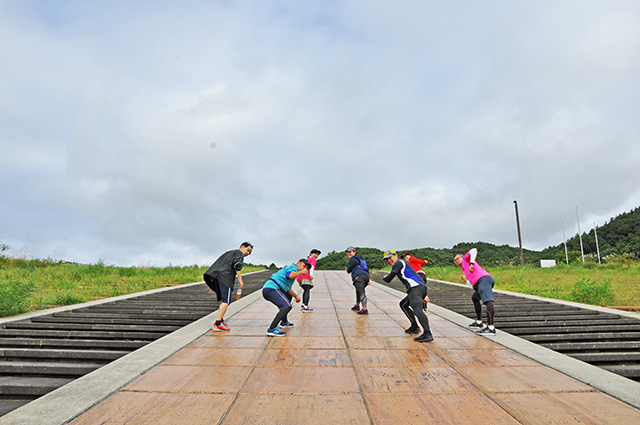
[619, 236]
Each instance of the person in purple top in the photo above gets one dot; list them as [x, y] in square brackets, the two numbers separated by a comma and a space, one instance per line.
[359, 271]
[482, 282]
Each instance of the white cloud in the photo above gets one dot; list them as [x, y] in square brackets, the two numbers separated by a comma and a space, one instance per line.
[149, 133]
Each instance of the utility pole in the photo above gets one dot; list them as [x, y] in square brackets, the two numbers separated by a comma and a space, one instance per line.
[580, 235]
[519, 236]
[566, 253]
[595, 230]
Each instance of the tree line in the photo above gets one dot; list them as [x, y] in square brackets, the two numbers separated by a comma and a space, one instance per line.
[619, 237]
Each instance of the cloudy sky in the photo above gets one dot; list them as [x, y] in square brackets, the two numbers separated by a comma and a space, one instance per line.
[167, 132]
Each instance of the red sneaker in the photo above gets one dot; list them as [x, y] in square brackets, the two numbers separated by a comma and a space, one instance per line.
[220, 327]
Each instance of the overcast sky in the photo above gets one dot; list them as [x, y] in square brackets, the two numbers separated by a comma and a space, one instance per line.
[168, 132]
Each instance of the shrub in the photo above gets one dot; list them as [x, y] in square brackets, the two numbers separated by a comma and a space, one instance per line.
[589, 292]
[68, 297]
[15, 297]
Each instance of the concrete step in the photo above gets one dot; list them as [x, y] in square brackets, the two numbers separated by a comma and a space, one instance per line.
[591, 326]
[94, 327]
[139, 314]
[587, 335]
[608, 357]
[71, 343]
[109, 321]
[30, 386]
[11, 403]
[44, 353]
[629, 371]
[149, 336]
[118, 316]
[623, 332]
[25, 368]
[592, 346]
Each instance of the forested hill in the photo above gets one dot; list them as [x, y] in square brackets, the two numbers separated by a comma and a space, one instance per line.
[619, 236]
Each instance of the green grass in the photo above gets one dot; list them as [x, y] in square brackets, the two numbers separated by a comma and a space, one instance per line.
[30, 285]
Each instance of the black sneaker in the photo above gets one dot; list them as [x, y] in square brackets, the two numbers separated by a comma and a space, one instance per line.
[424, 338]
[363, 311]
[413, 330]
[355, 308]
[487, 331]
[476, 325]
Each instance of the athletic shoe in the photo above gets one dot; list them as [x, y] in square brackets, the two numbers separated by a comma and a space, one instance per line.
[275, 332]
[220, 327]
[487, 331]
[363, 311]
[355, 308]
[307, 310]
[286, 324]
[413, 330]
[424, 338]
[476, 325]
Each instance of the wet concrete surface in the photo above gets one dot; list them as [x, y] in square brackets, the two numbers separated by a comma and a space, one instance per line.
[337, 367]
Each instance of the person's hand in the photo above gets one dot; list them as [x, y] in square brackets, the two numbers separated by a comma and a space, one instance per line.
[298, 299]
[310, 277]
[426, 299]
[463, 277]
[471, 268]
[241, 284]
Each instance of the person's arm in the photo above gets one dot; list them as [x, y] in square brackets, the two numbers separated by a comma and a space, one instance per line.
[293, 294]
[388, 278]
[293, 275]
[421, 262]
[240, 281]
[473, 252]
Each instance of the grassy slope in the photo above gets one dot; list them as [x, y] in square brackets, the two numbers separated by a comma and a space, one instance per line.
[29, 285]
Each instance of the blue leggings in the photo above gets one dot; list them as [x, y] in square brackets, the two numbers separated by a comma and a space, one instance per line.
[281, 300]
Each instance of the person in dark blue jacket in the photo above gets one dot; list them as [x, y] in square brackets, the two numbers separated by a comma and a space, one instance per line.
[360, 277]
[411, 305]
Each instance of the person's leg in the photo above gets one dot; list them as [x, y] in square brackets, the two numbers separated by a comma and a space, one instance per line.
[279, 300]
[363, 295]
[360, 284]
[423, 278]
[477, 306]
[404, 306]
[485, 291]
[285, 319]
[491, 312]
[225, 300]
[416, 298]
[222, 309]
[306, 294]
[356, 307]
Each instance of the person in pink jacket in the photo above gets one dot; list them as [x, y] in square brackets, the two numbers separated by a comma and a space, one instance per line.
[482, 282]
[306, 281]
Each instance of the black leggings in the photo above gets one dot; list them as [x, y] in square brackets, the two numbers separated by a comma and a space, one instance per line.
[306, 294]
[361, 283]
[491, 309]
[411, 306]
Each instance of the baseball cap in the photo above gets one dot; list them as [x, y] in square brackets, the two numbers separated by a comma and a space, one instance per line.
[388, 254]
[315, 251]
[351, 249]
[306, 263]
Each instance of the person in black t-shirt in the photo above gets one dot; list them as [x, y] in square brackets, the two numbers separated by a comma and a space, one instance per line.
[220, 278]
